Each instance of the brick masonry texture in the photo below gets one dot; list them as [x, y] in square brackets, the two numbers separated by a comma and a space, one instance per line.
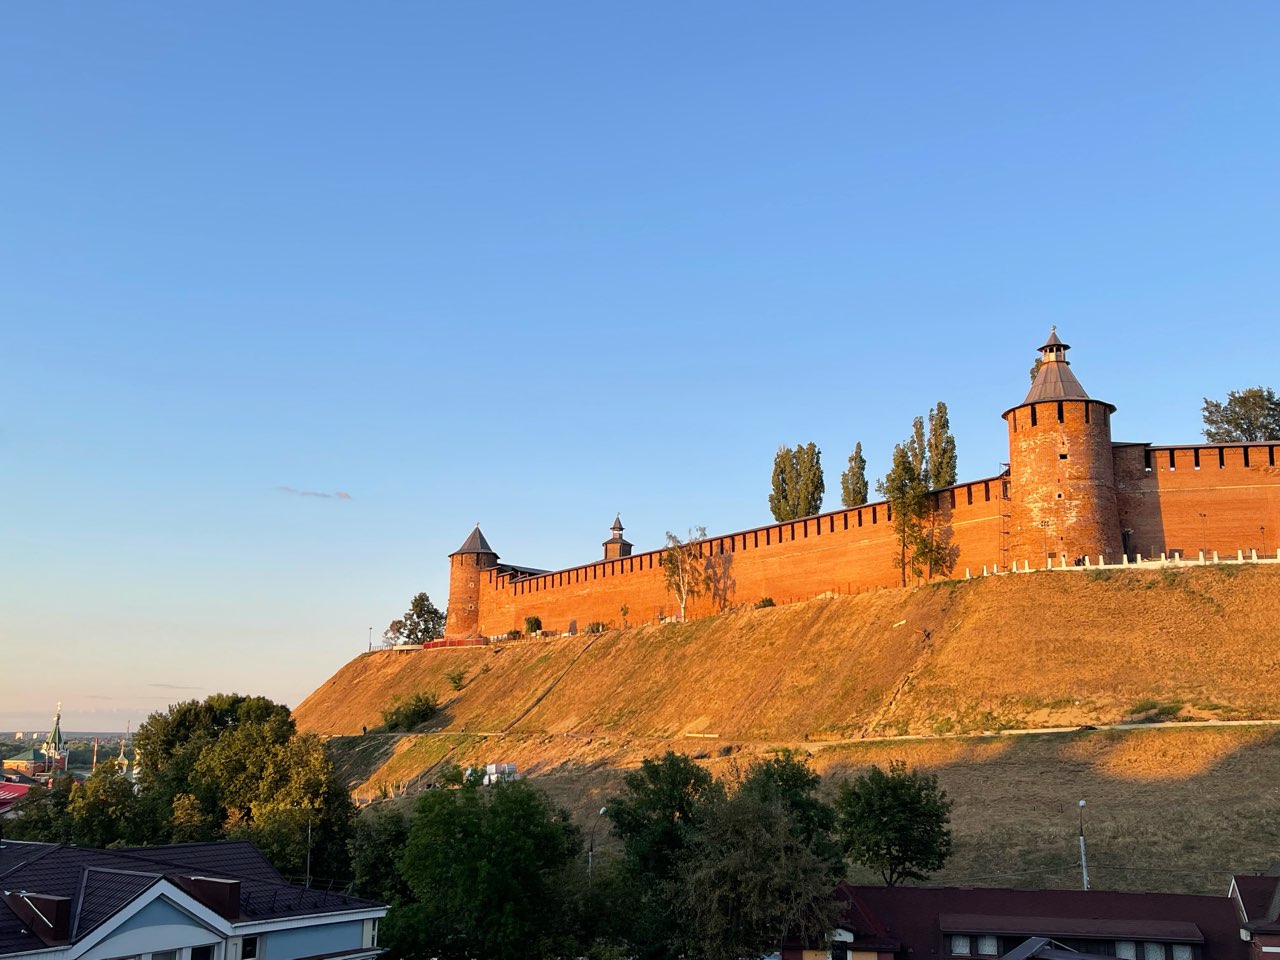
[1069, 492]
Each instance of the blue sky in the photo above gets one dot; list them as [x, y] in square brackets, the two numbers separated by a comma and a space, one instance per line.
[532, 264]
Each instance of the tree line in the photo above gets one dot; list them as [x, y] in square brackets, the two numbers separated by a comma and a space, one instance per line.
[923, 463]
[700, 868]
[229, 766]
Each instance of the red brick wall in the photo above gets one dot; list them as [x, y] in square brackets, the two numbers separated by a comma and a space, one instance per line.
[844, 551]
[1164, 490]
[1062, 482]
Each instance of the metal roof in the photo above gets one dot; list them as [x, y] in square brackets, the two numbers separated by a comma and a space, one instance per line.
[476, 543]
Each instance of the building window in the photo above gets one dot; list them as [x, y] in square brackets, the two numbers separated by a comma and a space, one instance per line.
[1126, 950]
[987, 947]
[202, 953]
[1033, 414]
[1152, 951]
[959, 945]
[249, 948]
[1182, 951]
[165, 955]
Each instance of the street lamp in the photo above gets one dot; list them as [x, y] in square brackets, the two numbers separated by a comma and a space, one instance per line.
[1044, 526]
[591, 842]
[1263, 531]
[1204, 540]
[371, 639]
[1084, 863]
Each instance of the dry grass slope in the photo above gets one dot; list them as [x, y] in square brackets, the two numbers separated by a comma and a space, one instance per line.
[1171, 809]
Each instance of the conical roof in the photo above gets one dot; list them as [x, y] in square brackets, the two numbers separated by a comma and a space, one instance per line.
[1054, 380]
[476, 543]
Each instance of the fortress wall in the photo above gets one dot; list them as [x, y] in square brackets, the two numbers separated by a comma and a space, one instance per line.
[1164, 490]
[844, 551]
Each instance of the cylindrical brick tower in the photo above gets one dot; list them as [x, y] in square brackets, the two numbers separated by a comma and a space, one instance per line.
[1062, 488]
[466, 565]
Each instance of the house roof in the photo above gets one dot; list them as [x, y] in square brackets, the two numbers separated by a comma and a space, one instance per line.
[101, 883]
[1260, 901]
[918, 917]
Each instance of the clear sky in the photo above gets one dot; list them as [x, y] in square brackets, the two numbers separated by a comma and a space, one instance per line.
[530, 264]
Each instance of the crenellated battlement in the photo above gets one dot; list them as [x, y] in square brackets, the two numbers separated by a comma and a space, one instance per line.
[1069, 492]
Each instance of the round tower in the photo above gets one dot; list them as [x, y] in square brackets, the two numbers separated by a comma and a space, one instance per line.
[1062, 488]
[466, 565]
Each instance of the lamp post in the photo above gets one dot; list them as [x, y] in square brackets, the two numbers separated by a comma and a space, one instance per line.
[1263, 531]
[591, 842]
[371, 639]
[1204, 539]
[1084, 863]
[1044, 527]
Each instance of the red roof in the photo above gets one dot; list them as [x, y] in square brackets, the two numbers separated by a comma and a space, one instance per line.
[919, 916]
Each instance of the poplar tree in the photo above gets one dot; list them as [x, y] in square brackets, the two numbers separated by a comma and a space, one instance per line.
[941, 449]
[907, 493]
[853, 482]
[797, 482]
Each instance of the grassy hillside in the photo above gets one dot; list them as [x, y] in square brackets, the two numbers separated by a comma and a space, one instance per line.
[1047, 649]
[1174, 809]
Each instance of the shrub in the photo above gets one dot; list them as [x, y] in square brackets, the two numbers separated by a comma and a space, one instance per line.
[407, 714]
[595, 626]
[532, 625]
[1098, 576]
[1144, 706]
[764, 602]
[514, 634]
[1168, 709]
[455, 678]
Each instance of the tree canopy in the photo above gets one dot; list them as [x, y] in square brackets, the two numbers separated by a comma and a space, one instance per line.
[226, 766]
[941, 446]
[797, 482]
[896, 823]
[853, 481]
[486, 867]
[683, 568]
[423, 621]
[1248, 416]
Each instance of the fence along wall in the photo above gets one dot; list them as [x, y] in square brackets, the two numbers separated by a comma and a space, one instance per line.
[845, 551]
[1223, 497]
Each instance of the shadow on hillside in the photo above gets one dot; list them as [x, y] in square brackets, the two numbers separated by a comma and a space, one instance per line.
[1167, 810]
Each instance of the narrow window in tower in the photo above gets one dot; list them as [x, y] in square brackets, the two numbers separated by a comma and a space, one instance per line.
[1086, 412]
[804, 527]
[1062, 456]
[873, 516]
[1246, 456]
[859, 518]
[986, 491]
[1015, 421]
[1222, 458]
[1033, 414]
[1172, 465]
[968, 493]
[953, 498]
[1271, 456]
[1060, 411]
[846, 521]
[755, 538]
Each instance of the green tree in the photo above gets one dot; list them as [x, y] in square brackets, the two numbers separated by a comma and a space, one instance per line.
[487, 868]
[43, 815]
[656, 816]
[105, 810]
[787, 779]
[683, 569]
[797, 482]
[853, 482]
[423, 621]
[750, 878]
[896, 823]
[1248, 416]
[941, 449]
[906, 491]
[378, 840]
